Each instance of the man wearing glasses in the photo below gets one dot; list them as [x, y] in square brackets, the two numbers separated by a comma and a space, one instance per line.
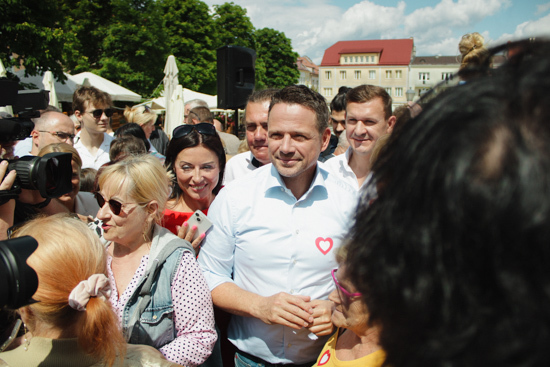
[51, 127]
[92, 108]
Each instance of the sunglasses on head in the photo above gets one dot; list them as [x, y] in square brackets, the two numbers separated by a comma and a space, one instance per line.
[108, 112]
[202, 128]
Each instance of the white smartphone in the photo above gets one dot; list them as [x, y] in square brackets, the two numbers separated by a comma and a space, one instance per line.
[200, 220]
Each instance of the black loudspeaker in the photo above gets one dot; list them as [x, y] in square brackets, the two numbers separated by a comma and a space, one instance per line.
[236, 76]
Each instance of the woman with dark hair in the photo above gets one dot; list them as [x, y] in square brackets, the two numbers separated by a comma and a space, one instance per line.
[196, 158]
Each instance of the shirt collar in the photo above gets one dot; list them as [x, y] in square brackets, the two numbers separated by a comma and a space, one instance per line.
[275, 181]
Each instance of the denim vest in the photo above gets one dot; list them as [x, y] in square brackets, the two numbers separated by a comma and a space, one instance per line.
[155, 325]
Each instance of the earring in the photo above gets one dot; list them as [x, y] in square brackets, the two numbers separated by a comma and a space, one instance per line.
[26, 342]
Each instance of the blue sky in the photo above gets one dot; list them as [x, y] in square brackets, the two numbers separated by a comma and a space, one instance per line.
[436, 25]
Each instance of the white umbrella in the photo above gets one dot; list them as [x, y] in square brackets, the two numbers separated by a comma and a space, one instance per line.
[170, 85]
[175, 106]
[3, 74]
[50, 86]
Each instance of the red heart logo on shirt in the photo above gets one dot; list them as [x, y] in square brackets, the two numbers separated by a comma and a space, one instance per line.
[324, 244]
[324, 358]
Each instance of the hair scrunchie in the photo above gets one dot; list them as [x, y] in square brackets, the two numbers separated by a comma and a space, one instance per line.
[97, 285]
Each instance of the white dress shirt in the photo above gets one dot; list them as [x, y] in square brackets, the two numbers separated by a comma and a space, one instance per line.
[339, 165]
[238, 166]
[266, 241]
[101, 157]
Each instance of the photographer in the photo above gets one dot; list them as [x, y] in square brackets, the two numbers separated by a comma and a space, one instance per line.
[7, 209]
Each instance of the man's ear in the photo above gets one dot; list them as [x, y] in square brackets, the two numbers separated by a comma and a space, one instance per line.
[391, 124]
[325, 139]
[78, 115]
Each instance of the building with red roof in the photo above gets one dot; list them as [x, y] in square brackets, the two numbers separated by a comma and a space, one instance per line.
[309, 72]
[379, 62]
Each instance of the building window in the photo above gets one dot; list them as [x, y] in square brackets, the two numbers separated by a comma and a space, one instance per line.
[357, 74]
[388, 90]
[388, 74]
[398, 74]
[372, 59]
[398, 92]
[328, 92]
[372, 74]
[343, 74]
[446, 76]
[423, 77]
[362, 58]
[356, 58]
[345, 59]
[328, 75]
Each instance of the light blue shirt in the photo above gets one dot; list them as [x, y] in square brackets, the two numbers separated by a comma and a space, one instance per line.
[271, 242]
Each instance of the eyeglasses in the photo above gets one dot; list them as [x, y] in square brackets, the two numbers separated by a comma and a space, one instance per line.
[60, 134]
[114, 205]
[97, 113]
[202, 128]
[342, 289]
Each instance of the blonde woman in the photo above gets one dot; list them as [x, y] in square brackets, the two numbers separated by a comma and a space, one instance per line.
[158, 291]
[72, 324]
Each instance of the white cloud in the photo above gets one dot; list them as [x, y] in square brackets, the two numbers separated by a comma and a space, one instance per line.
[315, 25]
[535, 28]
[543, 8]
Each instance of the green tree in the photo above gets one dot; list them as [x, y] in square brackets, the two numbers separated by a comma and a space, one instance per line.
[276, 63]
[31, 35]
[233, 26]
[189, 34]
[134, 47]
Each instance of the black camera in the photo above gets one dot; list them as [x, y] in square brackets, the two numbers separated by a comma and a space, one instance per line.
[50, 175]
[18, 281]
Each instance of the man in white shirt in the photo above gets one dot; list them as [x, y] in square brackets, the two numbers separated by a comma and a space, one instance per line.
[368, 117]
[269, 255]
[92, 108]
[255, 121]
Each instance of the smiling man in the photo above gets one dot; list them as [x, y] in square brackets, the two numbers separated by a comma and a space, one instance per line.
[255, 121]
[92, 108]
[269, 255]
[368, 117]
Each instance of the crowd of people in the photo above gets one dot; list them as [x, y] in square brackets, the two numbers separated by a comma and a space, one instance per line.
[341, 235]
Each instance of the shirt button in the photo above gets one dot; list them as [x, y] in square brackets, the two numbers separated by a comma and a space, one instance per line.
[297, 231]
[292, 291]
[289, 345]
[154, 317]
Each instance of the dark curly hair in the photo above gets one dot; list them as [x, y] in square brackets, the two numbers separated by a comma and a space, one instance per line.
[452, 258]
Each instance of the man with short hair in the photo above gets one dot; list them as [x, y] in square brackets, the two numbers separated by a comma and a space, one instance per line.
[92, 108]
[368, 116]
[189, 105]
[203, 114]
[51, 127]
[269, 257]
[255, 122]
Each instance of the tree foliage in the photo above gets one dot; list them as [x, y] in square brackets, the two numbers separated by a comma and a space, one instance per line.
[128, 41]
[276, 64]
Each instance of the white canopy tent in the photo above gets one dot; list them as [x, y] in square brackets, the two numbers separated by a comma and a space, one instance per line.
[117, 92]
[65, 90]
[158, 104]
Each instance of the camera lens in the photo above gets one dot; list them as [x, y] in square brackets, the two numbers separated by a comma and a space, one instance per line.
[18, 281]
